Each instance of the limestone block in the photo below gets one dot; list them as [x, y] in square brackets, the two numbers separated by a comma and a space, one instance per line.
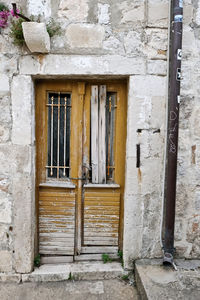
[4, 133]
[196, 121]
[132, 12]
[149, 184]
[5, 261]
[156, 43]
[149, 86]
[113, 46]
[85, 35]
[6, 161]
[189, 41]
[22, 97]
[5, 117]
[76, 10]
[103, 13]
[197, 201]
[188, 14]
[158, 111]
[22, 159]
[6, 45]
[157, 67]
[36, 37]
[10, 277]
[5, 205]
[178, 234]
[8, 65]
[5, 184]
[197, 15]
[133, 43]
[193, 234]
[4, 85]
[23, 233]
[5, 236]
[158, 13]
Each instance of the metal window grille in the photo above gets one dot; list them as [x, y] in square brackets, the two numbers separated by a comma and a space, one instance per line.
[59, 113]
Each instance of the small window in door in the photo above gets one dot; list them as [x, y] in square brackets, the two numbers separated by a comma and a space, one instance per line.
[59, 111]
[110, 132]
[103, 115]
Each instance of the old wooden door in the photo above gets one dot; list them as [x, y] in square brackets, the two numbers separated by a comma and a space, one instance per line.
[80, 143]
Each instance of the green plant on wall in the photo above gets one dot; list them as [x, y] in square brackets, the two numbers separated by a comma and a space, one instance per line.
[16, 32]
[3, 7]
[53, 28]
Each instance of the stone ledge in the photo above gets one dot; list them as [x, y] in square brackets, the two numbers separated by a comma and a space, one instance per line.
[10, 277]
[75, 271]
[81, 65]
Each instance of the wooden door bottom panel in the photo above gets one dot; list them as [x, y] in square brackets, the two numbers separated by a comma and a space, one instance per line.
[56, 221]
[101, 221]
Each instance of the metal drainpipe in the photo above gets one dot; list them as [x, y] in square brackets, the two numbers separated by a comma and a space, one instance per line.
[175, 52]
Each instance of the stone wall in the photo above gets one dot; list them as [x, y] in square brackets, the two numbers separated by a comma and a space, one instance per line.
[104, 38]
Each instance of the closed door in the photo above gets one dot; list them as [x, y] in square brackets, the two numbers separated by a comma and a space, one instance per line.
[80, 141]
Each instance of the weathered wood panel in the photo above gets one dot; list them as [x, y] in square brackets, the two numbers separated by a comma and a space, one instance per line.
[56, 221]
[102, 134]
[101, 217]
[94, 134]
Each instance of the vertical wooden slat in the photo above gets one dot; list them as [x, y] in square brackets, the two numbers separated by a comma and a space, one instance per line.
[81, 93]
[94, 133]
[102, 134]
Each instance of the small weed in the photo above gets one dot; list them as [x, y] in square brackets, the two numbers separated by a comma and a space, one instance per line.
[37, 260]
[53, 28]
[106, 258]
[125, 277]
[120, 254]
[71, 277]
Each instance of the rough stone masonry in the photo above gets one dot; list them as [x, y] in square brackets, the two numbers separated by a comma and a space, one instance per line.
[112, 38]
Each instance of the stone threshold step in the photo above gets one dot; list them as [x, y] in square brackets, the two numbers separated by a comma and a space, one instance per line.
[155, 281]
[75, 271]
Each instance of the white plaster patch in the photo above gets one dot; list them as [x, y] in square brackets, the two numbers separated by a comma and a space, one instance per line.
[103, 13]
[38, 7]
[76, 10]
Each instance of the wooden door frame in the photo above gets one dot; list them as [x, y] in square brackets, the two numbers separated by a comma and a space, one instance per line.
[80, 97]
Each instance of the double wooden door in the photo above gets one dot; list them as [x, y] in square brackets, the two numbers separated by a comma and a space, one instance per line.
[80, 159]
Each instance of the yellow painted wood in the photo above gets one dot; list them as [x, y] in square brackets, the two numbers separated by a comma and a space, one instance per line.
[108, 218]
[52, 236]
[94, 216]
[79, 121]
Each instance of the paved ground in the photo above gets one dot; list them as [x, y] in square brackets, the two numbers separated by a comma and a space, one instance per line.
[113, 289]
[154, 281]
